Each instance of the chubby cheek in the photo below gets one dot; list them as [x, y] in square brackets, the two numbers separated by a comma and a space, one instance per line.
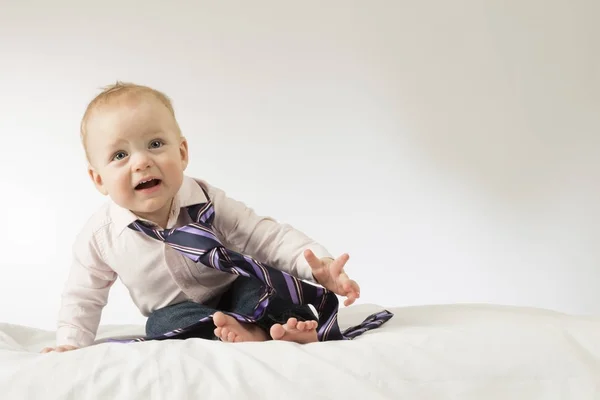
[173, 172]
[121, 187]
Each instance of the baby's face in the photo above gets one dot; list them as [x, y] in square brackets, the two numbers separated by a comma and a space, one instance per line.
[137, 155]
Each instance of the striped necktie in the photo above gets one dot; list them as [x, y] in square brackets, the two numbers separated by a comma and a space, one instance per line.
[198, 242]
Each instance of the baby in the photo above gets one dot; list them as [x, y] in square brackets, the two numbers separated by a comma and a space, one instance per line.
[137, 156]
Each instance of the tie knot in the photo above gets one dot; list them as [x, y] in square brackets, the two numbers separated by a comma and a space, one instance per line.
[150, 229]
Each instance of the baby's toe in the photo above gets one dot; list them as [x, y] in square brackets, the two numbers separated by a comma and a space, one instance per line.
[219, 319]
[224, 333]
[277, 331]
[291, 323]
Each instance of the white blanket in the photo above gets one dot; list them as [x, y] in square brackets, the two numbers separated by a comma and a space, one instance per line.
[431, 352]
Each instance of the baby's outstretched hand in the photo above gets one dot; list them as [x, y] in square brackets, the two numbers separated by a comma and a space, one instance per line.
[330, 273]
[58, 349]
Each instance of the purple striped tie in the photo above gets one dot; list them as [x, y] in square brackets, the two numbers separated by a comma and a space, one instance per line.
[198, 242]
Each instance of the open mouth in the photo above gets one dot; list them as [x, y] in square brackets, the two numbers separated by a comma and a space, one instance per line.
[148, 184]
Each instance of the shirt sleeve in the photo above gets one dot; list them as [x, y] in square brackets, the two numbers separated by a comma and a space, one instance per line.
[85, 294]
[263, 238]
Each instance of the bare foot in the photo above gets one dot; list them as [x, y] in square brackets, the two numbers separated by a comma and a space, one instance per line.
[228, 329]
[293, 331]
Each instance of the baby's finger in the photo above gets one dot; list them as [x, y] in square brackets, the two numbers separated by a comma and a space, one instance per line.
[350, 299]
[337, 266]
[353, 286]
[46, 350]
[348, 284]
[64, 348]
[312, 259]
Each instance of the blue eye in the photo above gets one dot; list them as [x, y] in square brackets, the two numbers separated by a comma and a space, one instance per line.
[119, 156]
[155, 144]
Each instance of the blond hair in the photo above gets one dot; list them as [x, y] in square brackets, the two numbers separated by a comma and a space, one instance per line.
[120, 89]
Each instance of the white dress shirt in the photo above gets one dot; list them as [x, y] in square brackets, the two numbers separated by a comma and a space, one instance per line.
[107, 249]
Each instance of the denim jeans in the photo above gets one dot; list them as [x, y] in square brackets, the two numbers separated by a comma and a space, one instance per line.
[241, 297]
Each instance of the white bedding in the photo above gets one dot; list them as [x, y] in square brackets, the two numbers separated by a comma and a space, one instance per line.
[431, 352]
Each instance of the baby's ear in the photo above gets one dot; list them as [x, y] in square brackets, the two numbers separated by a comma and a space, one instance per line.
[97, 179]
[183, 151]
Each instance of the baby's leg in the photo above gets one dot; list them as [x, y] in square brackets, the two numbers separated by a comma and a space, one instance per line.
[281, 320]
[182, 315]
[242, 297]
[228, 329]
[291, 322]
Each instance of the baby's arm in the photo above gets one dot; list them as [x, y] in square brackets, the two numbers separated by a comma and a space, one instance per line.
[84, 296]
[265, 239]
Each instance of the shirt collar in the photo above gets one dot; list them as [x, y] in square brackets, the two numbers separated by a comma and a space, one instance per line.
[190, 193]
